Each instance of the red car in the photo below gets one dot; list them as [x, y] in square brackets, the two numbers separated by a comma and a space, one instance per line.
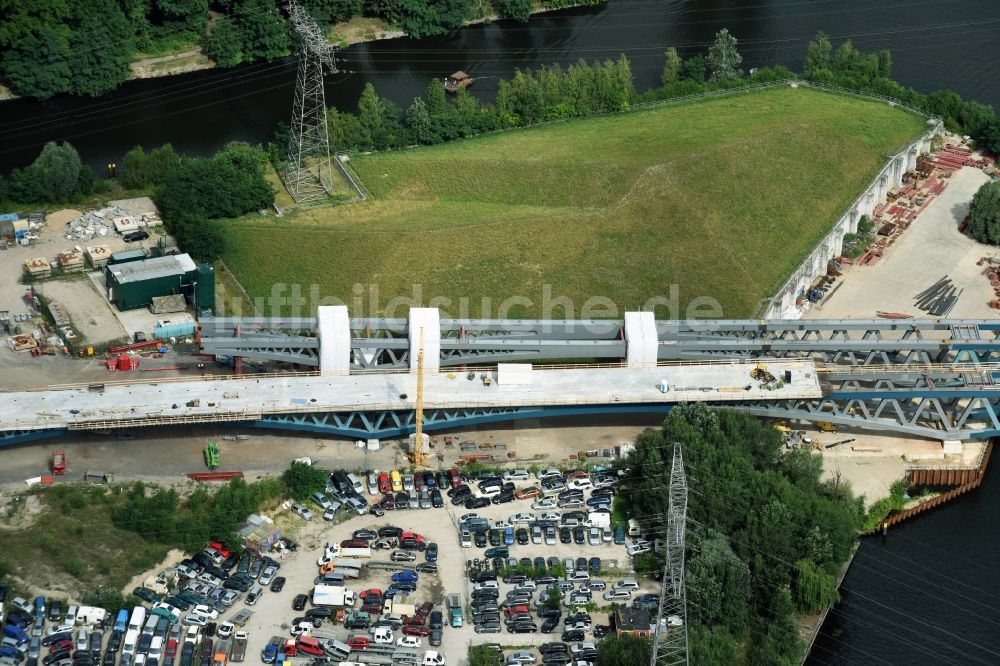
[453, 477]
[577, 474]
[414, 630]
[358, 642]
[171, 650]
[354, 543]
[424, 610]
[309, 645]
[373, 592]
[225, 552]
[411, 535]
[384, 486]
[61, 645]
[515, 610]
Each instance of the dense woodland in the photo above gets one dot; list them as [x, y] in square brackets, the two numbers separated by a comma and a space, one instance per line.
[84, 47]
[765, 536]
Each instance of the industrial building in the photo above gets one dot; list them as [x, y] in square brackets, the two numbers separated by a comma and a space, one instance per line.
[134, 284]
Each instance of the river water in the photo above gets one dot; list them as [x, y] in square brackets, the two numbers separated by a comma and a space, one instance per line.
[926, 595]
[934, 44]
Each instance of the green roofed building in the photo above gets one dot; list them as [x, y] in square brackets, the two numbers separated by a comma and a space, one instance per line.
[135, 284]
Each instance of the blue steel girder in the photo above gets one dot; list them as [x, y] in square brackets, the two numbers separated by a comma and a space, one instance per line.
[397, 423]
[14, 437]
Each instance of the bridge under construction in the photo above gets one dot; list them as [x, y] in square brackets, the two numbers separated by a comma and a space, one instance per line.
[926, 378]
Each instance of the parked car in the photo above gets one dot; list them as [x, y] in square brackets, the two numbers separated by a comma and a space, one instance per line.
[302, 512]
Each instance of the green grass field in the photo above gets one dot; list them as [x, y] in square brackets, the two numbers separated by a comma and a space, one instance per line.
[722, 198]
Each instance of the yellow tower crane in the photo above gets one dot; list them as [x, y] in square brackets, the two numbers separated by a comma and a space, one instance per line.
[418, 439]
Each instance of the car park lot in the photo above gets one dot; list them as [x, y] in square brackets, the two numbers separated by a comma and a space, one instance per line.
[360, 546]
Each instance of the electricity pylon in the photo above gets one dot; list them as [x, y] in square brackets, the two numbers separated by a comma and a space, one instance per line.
[670, 644]
[309, 174]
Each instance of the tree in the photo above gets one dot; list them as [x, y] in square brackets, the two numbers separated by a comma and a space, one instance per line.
[422, 18]
[437, 103]
[140, 169]
[265, 32]
[466, 106]
[984, 214]
[419, 121]
[513, 9]
[302, 480]
[990, 136]
[713, 646]
[57, 169]
[817, 54]
[390, 10]
[332, 11]
[371, 115]
[186, 14]
[719, 585]
[225, 44]
[723, 58]
[779, 643]
[102, 45]
[672, 67]
[624, 650]
[814, 588]
[38, 65]
[694, 69]
[847, 59]
[885, 64]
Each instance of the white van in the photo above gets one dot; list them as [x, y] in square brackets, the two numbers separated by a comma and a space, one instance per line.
[131, 639]
[138, 619]
[382, 635]
[633, 528]
[156, 647]
[71, 614]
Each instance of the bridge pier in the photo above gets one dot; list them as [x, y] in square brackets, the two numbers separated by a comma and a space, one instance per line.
[333, 328]
[952, 446]
[427, 320]
[641, 342]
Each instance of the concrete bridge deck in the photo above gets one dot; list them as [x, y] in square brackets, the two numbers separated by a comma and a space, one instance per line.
[252, 398]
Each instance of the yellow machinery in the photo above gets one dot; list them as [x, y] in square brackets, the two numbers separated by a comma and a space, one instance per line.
[418, 439]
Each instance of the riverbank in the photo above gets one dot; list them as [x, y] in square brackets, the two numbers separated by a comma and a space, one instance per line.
[358, 30]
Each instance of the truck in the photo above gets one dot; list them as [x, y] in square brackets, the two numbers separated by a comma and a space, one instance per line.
[332, 595]
[58, 463]
[599, 519]
[241, 618]
[239, 649]
[334, 551]
[221, 656]
[393, 607]
[454, 604]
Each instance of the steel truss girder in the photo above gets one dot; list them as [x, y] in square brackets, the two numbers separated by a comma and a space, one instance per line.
[285, 349]
[383, 342]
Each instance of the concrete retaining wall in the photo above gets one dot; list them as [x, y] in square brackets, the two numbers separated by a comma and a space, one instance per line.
[831, 245]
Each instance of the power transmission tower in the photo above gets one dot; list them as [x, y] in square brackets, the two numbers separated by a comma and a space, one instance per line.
[309, 174]
[670, 644]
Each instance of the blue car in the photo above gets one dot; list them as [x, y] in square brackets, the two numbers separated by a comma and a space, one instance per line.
[405, 576]
[508, 536]
[604, 502]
